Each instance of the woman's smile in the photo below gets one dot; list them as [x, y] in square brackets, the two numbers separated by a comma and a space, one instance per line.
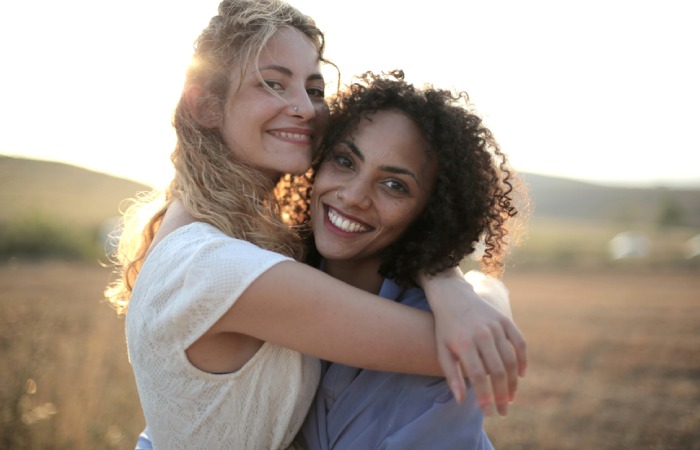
[345, 223]
[302, 136]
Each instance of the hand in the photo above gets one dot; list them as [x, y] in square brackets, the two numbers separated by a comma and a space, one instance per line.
[475, 340]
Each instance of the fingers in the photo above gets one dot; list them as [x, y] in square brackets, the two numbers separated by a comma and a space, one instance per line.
[471, 361]
[492, 360]
[453, 374]
[518, 342]
[488, 342]
[509, 364]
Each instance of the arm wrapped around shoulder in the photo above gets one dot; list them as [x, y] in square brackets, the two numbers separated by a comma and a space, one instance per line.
[491, 290]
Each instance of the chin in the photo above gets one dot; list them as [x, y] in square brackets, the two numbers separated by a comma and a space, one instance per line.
[299, 168]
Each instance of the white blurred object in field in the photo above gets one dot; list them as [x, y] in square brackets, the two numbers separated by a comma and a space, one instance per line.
[629, 244]
[691, 248]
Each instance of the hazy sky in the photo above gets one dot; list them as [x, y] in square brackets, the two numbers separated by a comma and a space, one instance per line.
[597, 90]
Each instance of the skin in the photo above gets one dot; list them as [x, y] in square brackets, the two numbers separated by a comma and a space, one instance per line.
[275, 133]
[359, 329]
[369, 190]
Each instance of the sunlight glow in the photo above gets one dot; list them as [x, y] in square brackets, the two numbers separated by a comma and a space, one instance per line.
[589, 90]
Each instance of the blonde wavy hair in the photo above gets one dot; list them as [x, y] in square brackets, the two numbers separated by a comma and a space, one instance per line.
[212, 184]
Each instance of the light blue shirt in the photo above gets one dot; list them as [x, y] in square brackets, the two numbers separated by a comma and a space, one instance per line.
[366, 409]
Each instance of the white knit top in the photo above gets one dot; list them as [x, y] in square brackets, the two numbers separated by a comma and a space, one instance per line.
[190, 279]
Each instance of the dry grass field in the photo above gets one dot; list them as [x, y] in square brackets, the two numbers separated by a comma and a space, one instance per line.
[614, 362]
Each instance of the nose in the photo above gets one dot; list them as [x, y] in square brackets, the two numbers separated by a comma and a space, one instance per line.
[355, 194]
[301, 106]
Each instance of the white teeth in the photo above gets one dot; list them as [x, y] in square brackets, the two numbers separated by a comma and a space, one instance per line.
[296, 136]
[345, 224]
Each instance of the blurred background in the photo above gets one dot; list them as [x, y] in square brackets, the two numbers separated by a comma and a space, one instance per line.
[595, 103]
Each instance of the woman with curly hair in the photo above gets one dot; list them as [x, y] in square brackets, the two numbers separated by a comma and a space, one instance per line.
[409, 180]
[224, 328]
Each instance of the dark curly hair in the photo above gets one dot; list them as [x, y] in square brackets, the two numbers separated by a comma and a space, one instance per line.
[472, 199]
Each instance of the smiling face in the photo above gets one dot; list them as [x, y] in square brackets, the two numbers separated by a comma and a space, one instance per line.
[273, 124]
[372, 185]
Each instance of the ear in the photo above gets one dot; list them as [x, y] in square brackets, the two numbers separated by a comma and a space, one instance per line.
[203, 106]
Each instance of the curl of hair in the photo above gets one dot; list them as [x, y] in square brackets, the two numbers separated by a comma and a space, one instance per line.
[214, 186]
[472, 200]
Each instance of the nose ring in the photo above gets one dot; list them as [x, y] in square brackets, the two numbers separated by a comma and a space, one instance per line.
[337, 194]
[295, 108]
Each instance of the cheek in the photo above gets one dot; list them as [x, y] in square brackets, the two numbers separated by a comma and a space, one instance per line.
[397, 217]
[403, 216]
[318, 190]
[322, 180]
[314, 203]
[233, 128]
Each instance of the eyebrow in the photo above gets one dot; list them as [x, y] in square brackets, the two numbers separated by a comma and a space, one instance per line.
[391, 169]
[288, 72]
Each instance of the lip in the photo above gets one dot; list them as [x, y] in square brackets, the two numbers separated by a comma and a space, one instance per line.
[336, 230]
[294, 135]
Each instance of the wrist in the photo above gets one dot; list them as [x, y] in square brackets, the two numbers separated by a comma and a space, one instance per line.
[426, 280]
[447, 289]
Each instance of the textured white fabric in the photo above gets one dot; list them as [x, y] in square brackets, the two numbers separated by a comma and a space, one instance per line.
[191, 278]
[491, 290]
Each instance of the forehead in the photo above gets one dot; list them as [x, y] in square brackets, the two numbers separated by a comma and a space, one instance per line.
[391, 134]
[289, 47]
[390, 140]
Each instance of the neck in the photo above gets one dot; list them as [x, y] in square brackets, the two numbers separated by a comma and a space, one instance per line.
[362, 275]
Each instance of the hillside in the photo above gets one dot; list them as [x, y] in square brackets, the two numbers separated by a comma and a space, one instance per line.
[78, 195]
[67, 193]
[574, 200]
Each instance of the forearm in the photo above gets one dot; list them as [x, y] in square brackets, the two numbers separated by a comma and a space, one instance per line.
[331, 320]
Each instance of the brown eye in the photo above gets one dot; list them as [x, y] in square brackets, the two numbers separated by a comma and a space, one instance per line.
[341, 159]
[316, 92]
[396, 185]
